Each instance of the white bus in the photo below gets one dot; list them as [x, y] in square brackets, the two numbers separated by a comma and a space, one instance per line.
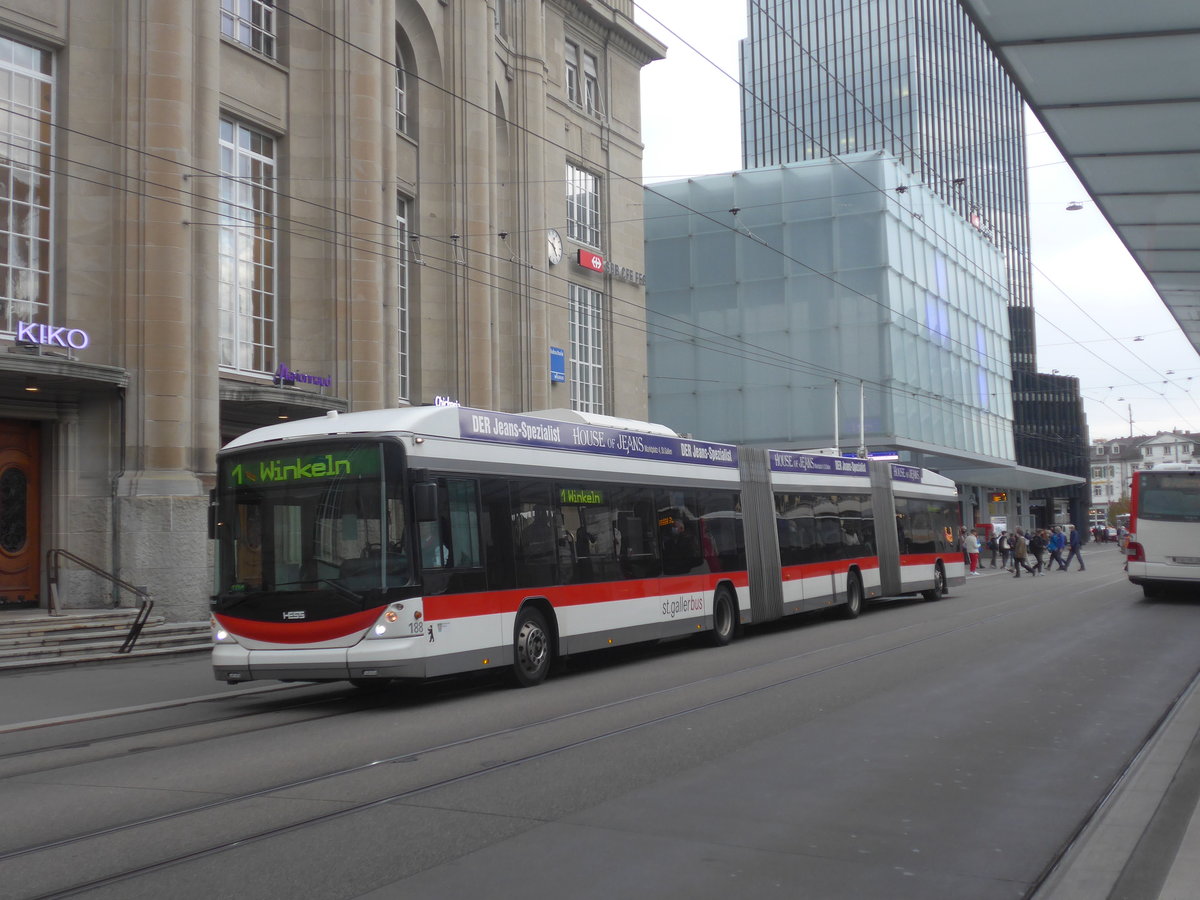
[1163, 550]
[410, 543]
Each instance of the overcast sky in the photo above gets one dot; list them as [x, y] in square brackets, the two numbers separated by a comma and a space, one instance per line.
[1092, 300]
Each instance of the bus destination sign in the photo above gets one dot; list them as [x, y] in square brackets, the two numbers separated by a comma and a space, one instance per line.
[291, 469]
[527, 431]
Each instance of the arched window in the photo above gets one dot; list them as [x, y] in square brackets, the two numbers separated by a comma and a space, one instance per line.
[406, 87]
[401, 95]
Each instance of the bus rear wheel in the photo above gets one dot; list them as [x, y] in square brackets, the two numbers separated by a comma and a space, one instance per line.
[531, 648]
[852, 608]
[939, 584]
[724, 617]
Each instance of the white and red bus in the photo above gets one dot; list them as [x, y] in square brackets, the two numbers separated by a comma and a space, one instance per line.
[1163, 550]
[410, 543]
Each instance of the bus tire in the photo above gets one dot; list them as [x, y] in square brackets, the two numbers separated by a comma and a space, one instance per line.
[938, 591]
[853, 606]
[724, 617]
[531, 648]
[1151, 591]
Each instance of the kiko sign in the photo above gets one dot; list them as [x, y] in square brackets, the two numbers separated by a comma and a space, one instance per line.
[52, 336]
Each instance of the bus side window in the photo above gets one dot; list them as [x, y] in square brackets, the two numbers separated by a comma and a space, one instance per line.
[498, 550]
[452, 540]
[536, 534]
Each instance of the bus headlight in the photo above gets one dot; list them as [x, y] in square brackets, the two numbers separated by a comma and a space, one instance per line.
[219, 634]
[397, 621]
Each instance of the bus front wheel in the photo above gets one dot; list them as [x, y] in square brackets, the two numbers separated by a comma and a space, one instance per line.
[531, 648]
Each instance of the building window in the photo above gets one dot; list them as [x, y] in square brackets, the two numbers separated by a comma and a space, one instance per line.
[586, 325]
[26, 100]
[401, 96]
[583, 78]
[583, 206]
[503, 14]
[402, 332]
[1096, 490]
[250, 23]
[247, 249]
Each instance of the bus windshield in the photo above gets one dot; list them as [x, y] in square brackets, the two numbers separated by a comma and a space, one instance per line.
[319, 526]
[1169, 497]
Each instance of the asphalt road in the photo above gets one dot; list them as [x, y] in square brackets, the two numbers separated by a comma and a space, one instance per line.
[925, 750]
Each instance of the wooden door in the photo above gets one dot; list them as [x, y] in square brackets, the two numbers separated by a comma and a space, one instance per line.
[20, 520]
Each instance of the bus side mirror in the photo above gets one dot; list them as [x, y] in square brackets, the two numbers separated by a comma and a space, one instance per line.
[425, 501]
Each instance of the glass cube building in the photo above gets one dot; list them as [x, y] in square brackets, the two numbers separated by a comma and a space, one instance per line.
[774, 292]
[915, 79]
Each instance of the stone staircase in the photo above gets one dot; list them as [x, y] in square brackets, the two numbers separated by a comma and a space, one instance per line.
[32, 638]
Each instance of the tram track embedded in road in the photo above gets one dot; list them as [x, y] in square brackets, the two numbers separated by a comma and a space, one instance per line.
[561, 747]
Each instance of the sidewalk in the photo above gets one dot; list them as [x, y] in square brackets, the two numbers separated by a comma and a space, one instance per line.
[1144, 841]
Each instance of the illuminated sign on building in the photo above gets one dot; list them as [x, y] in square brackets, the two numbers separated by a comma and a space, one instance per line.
[593, 262]
[284, 375]
[52, 336]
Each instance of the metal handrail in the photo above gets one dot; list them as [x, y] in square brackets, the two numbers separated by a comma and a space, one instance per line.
[52, 562]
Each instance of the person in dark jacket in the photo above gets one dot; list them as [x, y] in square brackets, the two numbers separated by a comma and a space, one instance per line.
[1073, 543]
[1020, 552]
[1037, 546]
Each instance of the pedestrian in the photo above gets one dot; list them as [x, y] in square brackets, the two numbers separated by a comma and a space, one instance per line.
[1037, 546]
[1073, 543]
[962, 543]
[1020, 550]
[993, 546]
[971, 545]
[1004, 542]
[1055, 544]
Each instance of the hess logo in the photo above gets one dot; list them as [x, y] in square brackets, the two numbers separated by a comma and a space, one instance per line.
[293, 614]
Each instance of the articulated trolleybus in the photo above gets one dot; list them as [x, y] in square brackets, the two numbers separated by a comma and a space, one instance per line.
[410, 543]
[1163, 551]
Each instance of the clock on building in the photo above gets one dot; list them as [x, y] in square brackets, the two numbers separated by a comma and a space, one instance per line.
[553, 246]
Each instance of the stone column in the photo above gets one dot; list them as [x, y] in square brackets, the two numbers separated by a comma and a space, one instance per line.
[161, 502]
[363, 171]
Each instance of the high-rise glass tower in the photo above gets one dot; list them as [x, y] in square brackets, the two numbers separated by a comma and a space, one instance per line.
[914, 78]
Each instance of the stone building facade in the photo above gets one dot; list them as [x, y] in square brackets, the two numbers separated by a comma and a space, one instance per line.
[220, 213]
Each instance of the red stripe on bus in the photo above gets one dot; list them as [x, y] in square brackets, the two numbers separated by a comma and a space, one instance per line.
[300, 632]
[830, 567]
[457, 606]
[1133, 503]
[483, 603]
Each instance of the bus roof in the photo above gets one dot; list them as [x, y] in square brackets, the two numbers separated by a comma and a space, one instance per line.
[434, 421]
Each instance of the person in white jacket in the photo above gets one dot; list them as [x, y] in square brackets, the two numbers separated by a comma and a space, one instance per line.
[971, 544]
